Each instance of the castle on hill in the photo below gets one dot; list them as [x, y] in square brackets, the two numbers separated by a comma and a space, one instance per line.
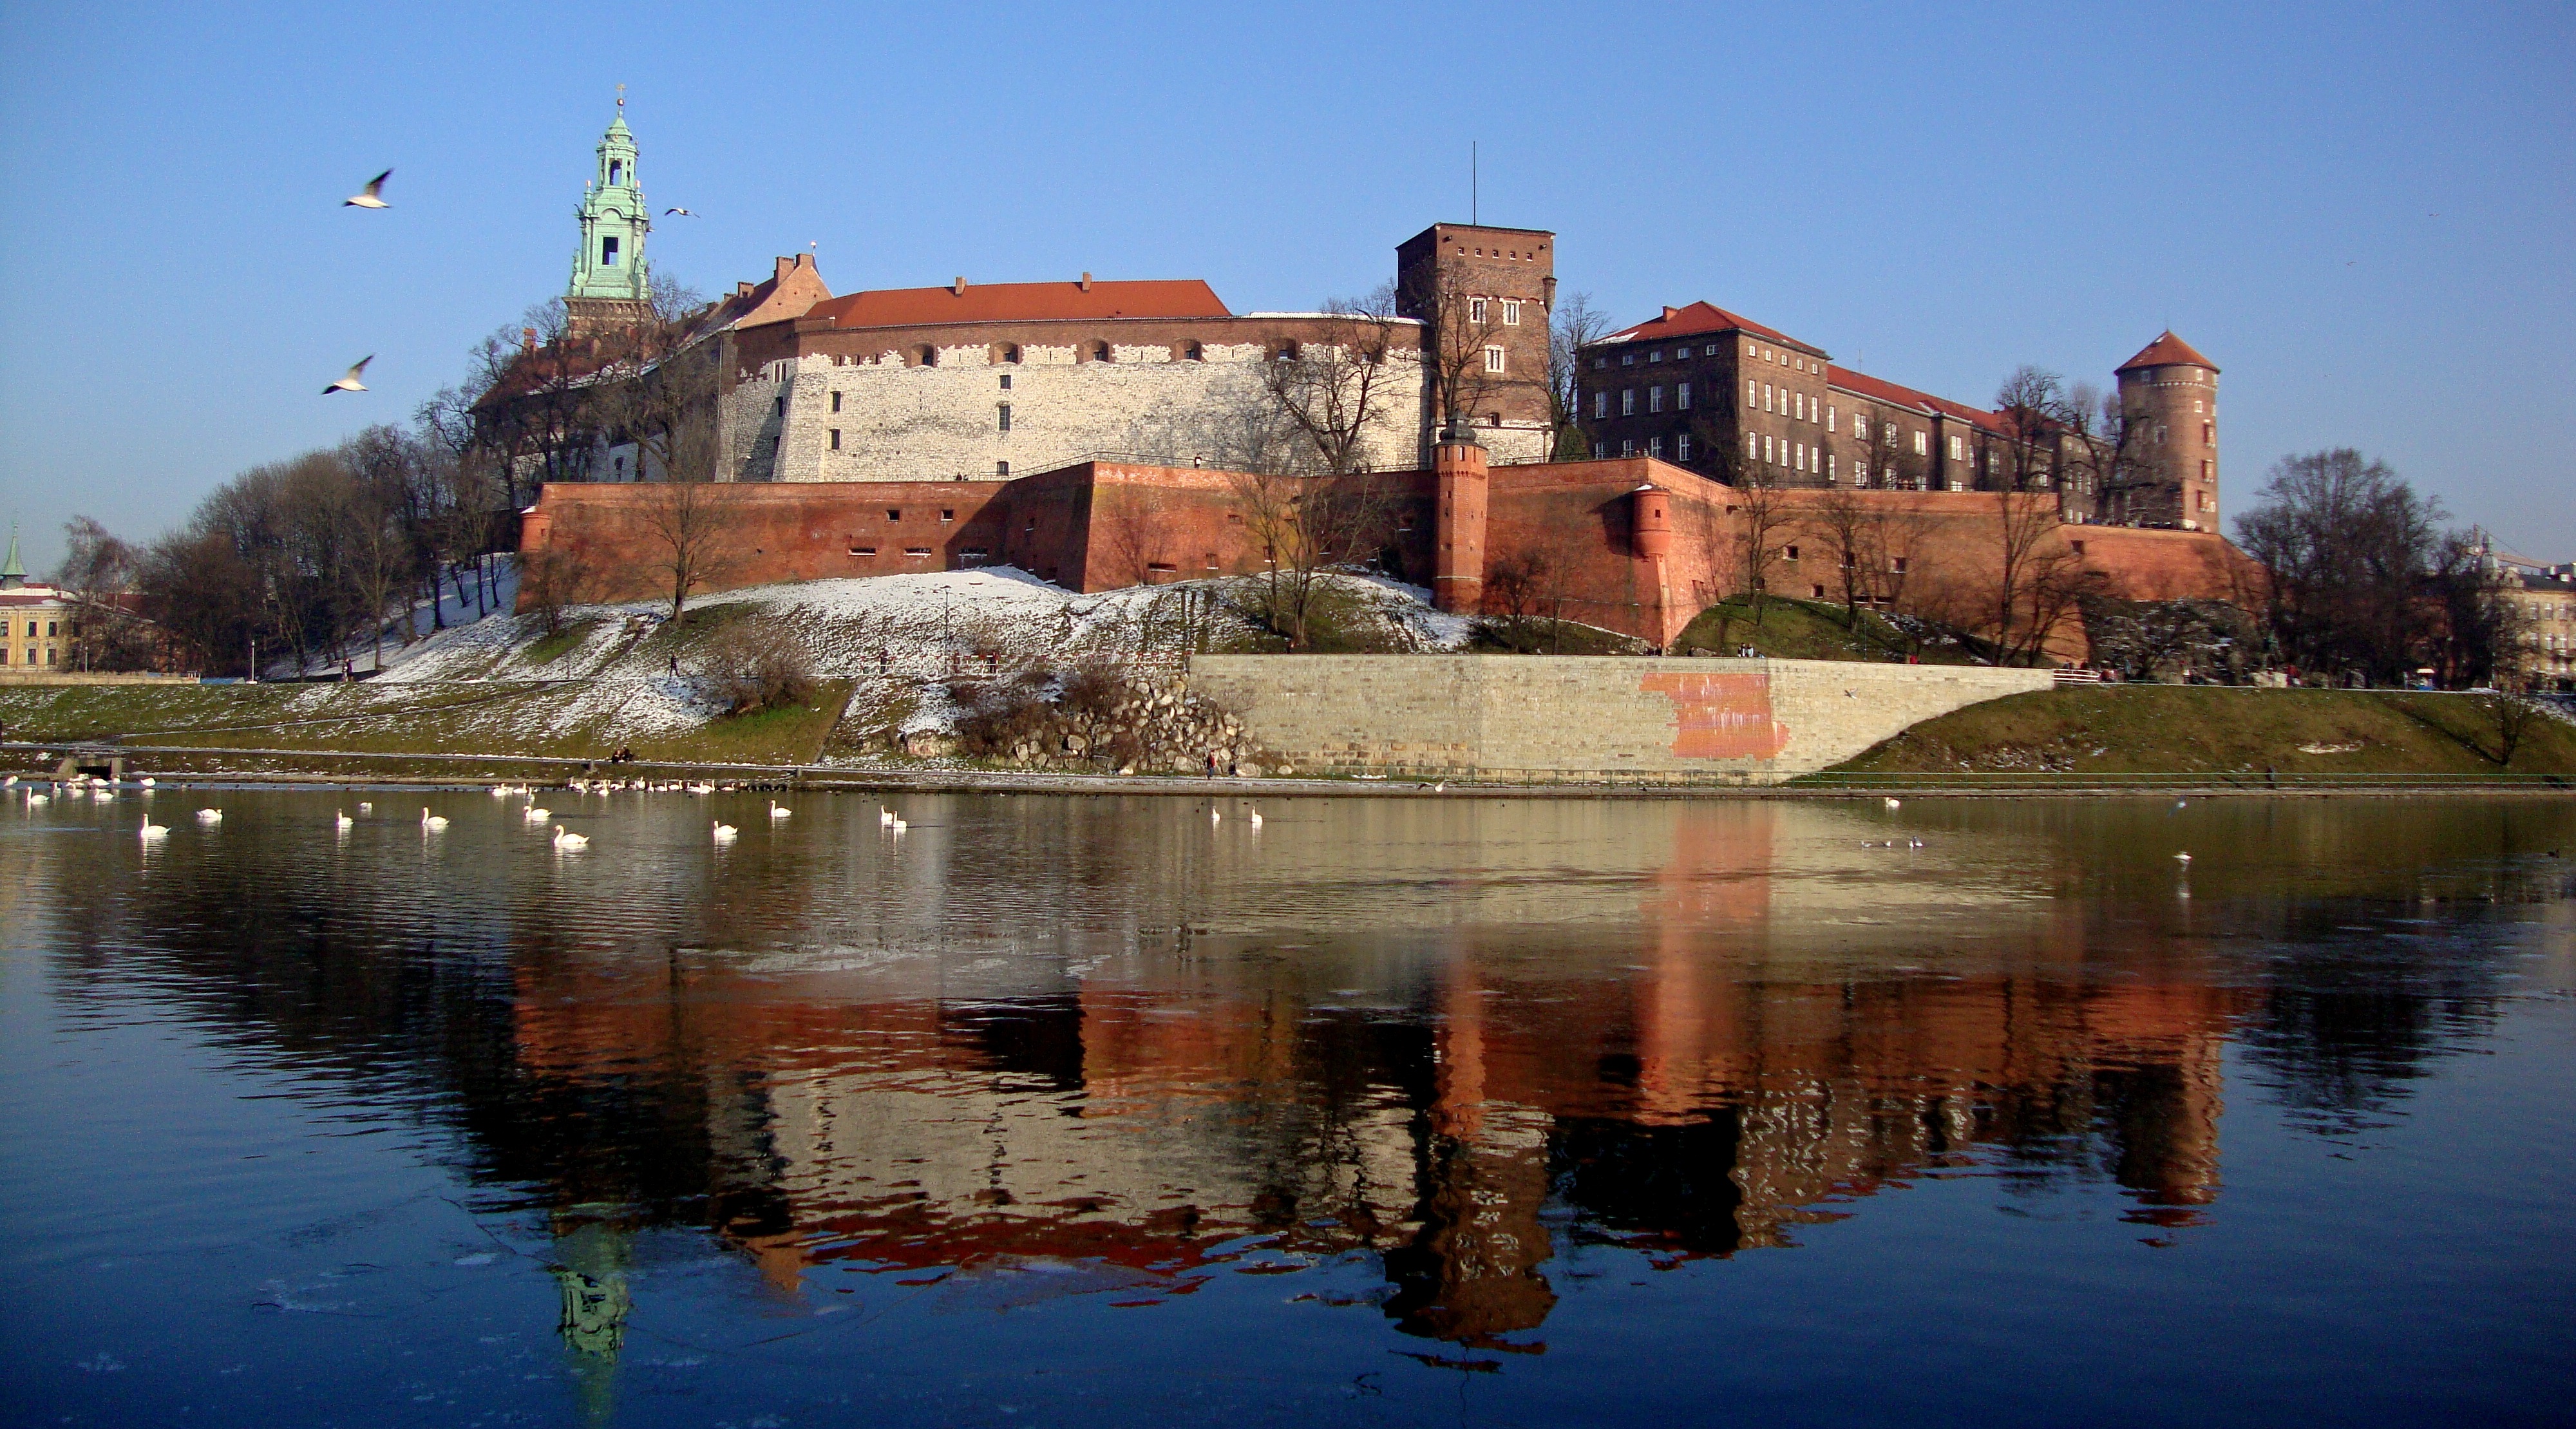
[1097, 433]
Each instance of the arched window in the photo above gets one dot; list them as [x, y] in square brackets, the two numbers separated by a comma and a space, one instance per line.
[1287, 351]
[1006, 352]
[1100, 352]
[926, 355]
[1192, 352]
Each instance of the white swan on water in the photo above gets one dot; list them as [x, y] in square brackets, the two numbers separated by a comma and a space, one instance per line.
[779, 811]
[340, 819]
[428, 820]
[210, 816]
[1256, 818]
[724, 832]
[154, 831]
[537, 814]
[885, 817]
[565, 840]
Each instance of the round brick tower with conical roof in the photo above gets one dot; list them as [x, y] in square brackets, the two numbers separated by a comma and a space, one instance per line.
[2169, 397]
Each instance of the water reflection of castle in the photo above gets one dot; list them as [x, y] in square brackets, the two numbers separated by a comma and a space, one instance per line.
[1684, 1112]
[1089, 1031]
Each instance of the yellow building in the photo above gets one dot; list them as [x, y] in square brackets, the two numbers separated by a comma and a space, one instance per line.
[2546, 596]
[39, 633]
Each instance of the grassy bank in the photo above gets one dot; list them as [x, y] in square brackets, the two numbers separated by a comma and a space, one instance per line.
[1815, 630]
[574, 720]
[2129, 730]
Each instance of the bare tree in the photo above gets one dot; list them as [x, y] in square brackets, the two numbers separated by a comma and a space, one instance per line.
[97, 578]
[1127, 523]
[552, 579]
[1305, 526]
[1574, 326]
[692, 537]
[2038, 577]
[1844, 524]
[2350, 549]
[1335, 394]
[2036, 412]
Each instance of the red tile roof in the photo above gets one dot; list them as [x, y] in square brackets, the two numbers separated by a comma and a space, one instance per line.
[1022, 302]
[1877, 390]
[2167, 351]
[1699, 318]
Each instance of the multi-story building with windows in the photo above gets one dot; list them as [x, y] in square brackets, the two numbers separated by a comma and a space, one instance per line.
[38, 636]
[1721, 394]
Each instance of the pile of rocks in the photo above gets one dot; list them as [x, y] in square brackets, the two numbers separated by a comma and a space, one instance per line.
[1155, 725]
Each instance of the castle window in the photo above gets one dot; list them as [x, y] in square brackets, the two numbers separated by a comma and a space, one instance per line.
[863, 551]
[1627, 359]
[1600, 402]
[1287, 352]
[1627, 401]
[1957, 448]
[1768, 393]
[1006, 382]
[1101, 352]
[1752, 393]
[836, 401]
[1896, 565]
[614, 170]
[1681, 398]
[608, 251]
[894, 513]
[925, 356]
[836, 439]
[1829, 417]
[1010, 352]
[1191, 351]
[1922, 444]
[1493, 359]
[1681, 447]
[947, 514]
[1655, 447]
[1791, 553]
[1830, 464]
[1600, 450]
[1752, 350]
[1655, 356]
[1709, 351]
[1002, 469]
[1655, 398]
[1600, 364]
[1860, 425]
[2076, 546]
[2208, 433]
[916, 553]
[1476, 306]
[1752, 446]
[1511, 312]
[1003, 409]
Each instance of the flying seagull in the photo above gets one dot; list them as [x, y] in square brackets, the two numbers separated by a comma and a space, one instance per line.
[374, 196]
[682, 212]
[350, 383]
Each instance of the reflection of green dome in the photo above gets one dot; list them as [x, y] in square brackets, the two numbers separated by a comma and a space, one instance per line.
[594, 1312]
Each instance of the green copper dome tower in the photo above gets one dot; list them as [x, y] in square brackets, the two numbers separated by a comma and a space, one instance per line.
[611, 284]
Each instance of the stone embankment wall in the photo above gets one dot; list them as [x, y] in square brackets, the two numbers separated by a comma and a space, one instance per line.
[1549, 719]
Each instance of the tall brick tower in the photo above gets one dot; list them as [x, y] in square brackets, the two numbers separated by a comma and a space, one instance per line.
[1484, 296]
[611, 286]
[2169, 393]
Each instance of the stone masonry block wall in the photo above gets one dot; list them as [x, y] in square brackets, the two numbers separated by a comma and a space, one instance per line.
[1544, 719]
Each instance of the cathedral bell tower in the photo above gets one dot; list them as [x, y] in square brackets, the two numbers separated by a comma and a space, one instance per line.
[611, 285]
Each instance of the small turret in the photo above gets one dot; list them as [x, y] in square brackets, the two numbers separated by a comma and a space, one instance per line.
[1651, 522]
[1458, 522]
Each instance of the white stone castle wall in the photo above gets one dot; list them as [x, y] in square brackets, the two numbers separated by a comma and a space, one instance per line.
[926, 423]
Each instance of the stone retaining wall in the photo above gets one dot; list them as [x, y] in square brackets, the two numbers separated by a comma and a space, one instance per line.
[1533, 718]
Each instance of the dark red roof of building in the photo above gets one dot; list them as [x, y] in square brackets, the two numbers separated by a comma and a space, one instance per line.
[1700, 318]
[1895, 395]
[2167, 351]
[1023, 302]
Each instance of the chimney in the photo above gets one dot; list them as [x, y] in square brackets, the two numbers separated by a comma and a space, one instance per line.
[960, 288]
[787, 266]
[1086, 283]
[1670, 312]
[742, 289]
[527, 339]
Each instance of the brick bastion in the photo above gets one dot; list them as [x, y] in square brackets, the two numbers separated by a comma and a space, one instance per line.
[1557, 719]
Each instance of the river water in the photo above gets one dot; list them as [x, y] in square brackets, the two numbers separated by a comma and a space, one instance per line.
[1113, 1110]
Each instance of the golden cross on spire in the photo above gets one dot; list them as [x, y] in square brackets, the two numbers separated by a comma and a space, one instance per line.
[621, 96]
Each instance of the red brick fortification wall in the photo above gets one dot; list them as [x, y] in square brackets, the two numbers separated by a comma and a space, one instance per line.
[785, 532]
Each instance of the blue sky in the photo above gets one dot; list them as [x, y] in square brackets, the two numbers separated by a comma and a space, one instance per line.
[2362, 214]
